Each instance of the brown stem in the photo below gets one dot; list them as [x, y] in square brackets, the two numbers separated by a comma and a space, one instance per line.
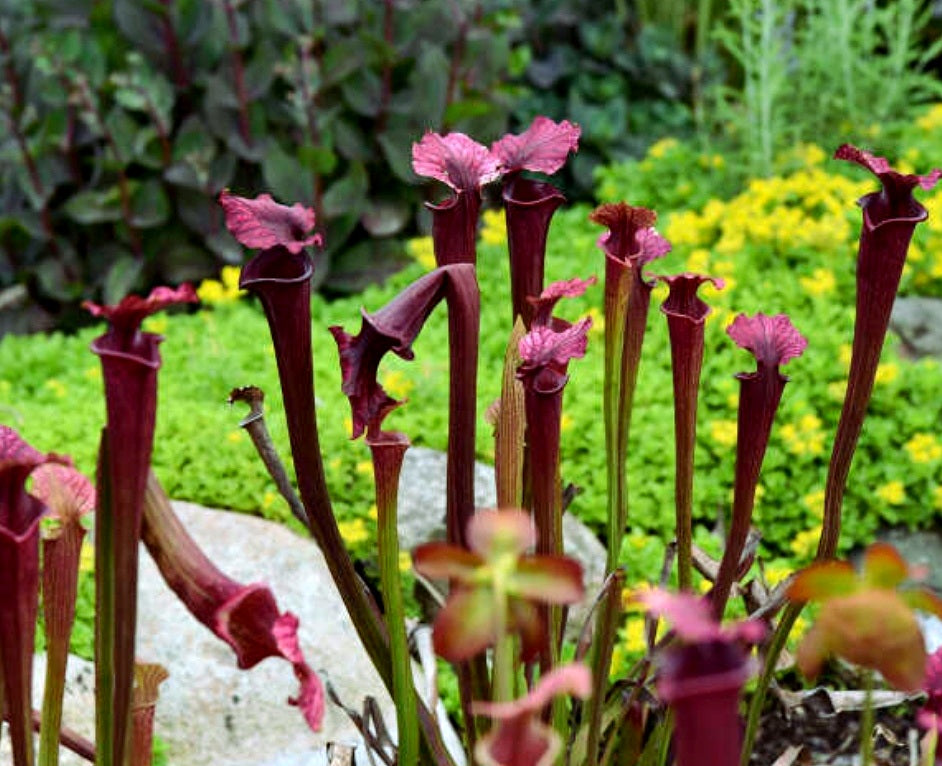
[123, 189]
[238, 73]
[172, 44]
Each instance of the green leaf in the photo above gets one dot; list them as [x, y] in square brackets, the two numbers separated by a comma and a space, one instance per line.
[341, 60]
[348, 194]
[396, 147]
[121, 279]
[55, 281]
[365, 264]
[261, 70]
[318, 159]
[95, 206]
[429, 84]
[185, 263]
[149, 205]
[383, 218]
[363, 91]
[285, 179]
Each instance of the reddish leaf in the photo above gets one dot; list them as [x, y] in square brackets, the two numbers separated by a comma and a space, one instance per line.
[262, 223]
[875, 629]
[883, 566]
[823, 580]
[493, 533]
[466, 625]
[445, 561]
[67, 493]
[543, 147]
[772, 339]
[550, 579]
[455, 160]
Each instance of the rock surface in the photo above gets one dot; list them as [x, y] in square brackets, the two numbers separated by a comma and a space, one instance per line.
[918, 322]
[211, 712]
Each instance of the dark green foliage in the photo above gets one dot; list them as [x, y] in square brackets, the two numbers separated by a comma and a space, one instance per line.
[123, 120]
[627, 82]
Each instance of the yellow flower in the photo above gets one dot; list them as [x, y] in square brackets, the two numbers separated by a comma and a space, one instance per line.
[353, 531]
[566, 422]
[211, 291]
[229, 276]
[814, 502]
[821, 282]
[422, 250]
[87, 556]
[775, 573]
[698, 261]
[268, 499]
[806, 542]
[844, 353]
[57, 387]
[662, 147]
[923, 448]
[373, 512]
[723, 432]
[92, 373]
[887, 372]
[156, 324]
[405, 561]
[598, 322]
[494, 229]
[931, 120]
[937, 498]
[892, 493]
[837, 389]
[634, 636]
[365, 467]
[396, 384]
[234, 437]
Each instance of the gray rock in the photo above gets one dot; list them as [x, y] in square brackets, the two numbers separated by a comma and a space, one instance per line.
[918, 322]
[422, 517]
[922, 548]
[211, 712]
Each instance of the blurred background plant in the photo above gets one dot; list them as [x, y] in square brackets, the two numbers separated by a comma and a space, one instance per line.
[121, 120]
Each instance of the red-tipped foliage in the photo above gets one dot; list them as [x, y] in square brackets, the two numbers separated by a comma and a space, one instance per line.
[543, 147]
[889, 219]
[244, 616]
[19, 586]
[129, 361]
[686, 314]
[456, 160]
[773, 340]
[465, 166]
[701, 677]
[520, 738]
[262, 223]
[468, 622]
[866, 618]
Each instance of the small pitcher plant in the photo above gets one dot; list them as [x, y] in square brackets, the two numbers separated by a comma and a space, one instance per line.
[528, 696]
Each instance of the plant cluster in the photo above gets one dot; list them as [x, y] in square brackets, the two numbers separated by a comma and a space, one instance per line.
[810, 65]
[503, 623]
[122, 123]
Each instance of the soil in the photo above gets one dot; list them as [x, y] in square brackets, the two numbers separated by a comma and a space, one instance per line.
[813, 733]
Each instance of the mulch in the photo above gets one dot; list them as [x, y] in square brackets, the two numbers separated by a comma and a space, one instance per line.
[813, 733]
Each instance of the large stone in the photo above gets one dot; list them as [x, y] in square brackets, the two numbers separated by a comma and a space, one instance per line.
[422, 517]
[211, 712]
[922, 548]
[918, 322]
